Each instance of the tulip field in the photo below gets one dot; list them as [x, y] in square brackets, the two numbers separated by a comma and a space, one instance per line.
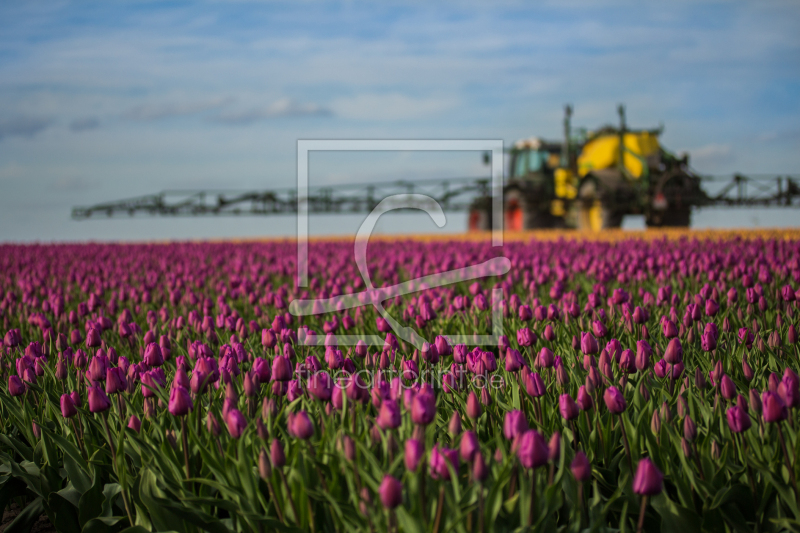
[640, 384]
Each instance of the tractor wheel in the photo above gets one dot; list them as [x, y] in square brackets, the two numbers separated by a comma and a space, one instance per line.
[676, 218]
[519, 214]
[594, 214]
[479, 220]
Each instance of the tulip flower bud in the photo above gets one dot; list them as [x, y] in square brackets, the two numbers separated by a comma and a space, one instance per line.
[683, 407]
[474, 409]
[171, 439]
[479, 469]
[514, 424]
[588, 344]
[584, 401]
[567, 407]
[674, 352]
[533, 451]
[773, 407]
[655, 423]
[666, 413]
[68, 409]
[469, 446]
[648, 480]
[580, 466]
[134, 423]
[727, 387]
[699, 379]
[389, 416]
[715, 450]
[738, 419]
[300, 425]
[15, 386]
[212, 424]
[423, 408]
[454, 427]
[554, 447]
[615, 401]
[689, 429]
[391, 492]
[686, 448]
[277, 458]
[414, 452]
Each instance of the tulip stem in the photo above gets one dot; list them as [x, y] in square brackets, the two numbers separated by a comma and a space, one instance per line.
[699, 464]
[480, 507]
[78, 438]
[116, 468]
[627, 445]
[788, 464]
[642, 509]
[749, 470]
[185, 447]
[289, 497]
[275, 501]
[533, 499]
[439, 509]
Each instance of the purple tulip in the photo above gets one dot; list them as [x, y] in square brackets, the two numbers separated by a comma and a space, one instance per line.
[584, 401]
[440, 457]
[674, 352]
[98, 400]
[532, 450]
[391, 492]
[567, 407]
[116, 381]
[648, 480]
[526, 337]
[153, 355]
[615, 401]
[474, 409]
[738, 419]
[414, 452]
[15, 386]
[68, 409]
[727, 387]
[469, 446]
[581, 468]
[300, 425]
[134, 423]
[514, 424]
[180, 402]
[276, 455]
[389, 416]
[773, 408]
[588, 344]
[281, 369]
[236, 423]
[423, 408]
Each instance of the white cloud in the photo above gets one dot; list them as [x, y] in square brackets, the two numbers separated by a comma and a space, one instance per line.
[285, 107]
[392, 106]
[174, 109]
[711, 155]
[23, 126]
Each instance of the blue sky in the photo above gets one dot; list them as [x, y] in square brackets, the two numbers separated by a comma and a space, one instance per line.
[102, 101]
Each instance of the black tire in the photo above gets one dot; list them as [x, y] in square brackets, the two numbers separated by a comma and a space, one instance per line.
[520, 213]
[670, 218]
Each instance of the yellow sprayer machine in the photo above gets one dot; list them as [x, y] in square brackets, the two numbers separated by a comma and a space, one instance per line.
[591, 181]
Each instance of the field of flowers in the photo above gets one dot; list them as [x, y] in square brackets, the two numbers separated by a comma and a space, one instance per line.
[641, 384]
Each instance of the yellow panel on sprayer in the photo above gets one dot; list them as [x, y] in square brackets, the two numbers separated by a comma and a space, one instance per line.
[603, 152]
